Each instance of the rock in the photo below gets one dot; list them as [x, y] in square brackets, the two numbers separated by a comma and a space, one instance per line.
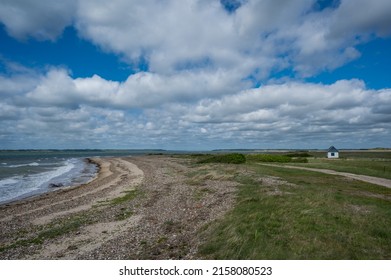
[52, 185]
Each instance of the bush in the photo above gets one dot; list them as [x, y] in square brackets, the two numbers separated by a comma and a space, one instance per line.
[269, 158]
[300, 160]
[301, 155]
[226, 158]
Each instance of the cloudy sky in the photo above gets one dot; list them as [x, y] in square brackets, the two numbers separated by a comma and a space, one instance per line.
[195, 74]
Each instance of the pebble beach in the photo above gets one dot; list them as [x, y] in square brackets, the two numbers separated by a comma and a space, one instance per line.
[141, 207]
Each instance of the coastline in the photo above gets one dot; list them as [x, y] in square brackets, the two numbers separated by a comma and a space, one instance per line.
[141, 207]
[38, 194]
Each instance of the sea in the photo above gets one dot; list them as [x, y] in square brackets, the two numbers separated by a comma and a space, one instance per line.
[25, 173]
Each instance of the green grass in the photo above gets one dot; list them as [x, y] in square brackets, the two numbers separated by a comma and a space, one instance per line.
[371, 167]
[129, 195]
[318, 217]
[123, 214]
[51, 231]
[199, 193]
[299, 155]
[268, 158]
[370, 154]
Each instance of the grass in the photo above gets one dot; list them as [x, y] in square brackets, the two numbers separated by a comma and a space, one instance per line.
[370, 154]
[299, 155]
[269, 158]
[365, 166]
[315, 216]
[199, 193]
[123, 214]
[51, 231]
[129, 195]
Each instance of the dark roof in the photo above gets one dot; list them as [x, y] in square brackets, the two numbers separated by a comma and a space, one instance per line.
[332, 149]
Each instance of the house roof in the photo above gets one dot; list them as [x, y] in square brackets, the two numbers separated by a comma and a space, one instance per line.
[332, 149]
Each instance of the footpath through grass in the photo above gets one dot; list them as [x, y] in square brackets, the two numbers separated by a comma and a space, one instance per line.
[294, 214]
[364, 166]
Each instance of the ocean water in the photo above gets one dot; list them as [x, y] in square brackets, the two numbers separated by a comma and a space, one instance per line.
[25, 173]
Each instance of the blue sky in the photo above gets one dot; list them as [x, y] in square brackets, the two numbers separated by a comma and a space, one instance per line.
[195, 74]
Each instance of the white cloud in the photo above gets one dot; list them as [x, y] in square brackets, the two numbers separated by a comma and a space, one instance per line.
[170, 34]
[143, 89]
[361, 17]
[93, 112]
[260, 37]
[258, 17]
[173, 36]
[44, 19]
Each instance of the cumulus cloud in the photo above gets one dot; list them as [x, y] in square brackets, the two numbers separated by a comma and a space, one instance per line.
[44, 20]
[96, 112]
[143, 89]
[360, 17]
[298, 111]
[256, 37]
[169, 34]
[259, 37]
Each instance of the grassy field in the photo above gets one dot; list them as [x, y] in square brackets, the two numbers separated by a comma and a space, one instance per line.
[371, 167]
[371, 163]
[295, 214]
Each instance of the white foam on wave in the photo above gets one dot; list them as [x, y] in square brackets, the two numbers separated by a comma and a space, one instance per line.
[26, 164]
[47, 176]
[19, 186]
[8, 181]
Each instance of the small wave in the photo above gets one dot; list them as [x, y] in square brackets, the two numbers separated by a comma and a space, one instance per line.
[47, 176]
[20, 186]
[66, 172]
[26, 164]
[9, 181]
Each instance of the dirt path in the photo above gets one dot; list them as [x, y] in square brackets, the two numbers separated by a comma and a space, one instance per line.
[369, 179]
[137, 208]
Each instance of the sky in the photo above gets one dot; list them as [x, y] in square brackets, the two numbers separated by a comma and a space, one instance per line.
[195, 74]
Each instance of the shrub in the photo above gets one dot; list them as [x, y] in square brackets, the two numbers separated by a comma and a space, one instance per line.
[300, 160]
[301, 155]
[226, 158]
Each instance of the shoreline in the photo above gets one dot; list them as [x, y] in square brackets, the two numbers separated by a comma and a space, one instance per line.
[56, 191]
[37, 194]
[137, 208]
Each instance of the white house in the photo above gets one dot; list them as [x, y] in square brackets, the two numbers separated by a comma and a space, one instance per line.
[332, 152]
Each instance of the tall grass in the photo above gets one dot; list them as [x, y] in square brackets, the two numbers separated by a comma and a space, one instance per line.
[371, 167]
[312, 216]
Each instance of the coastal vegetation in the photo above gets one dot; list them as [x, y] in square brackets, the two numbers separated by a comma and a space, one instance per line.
[269, 158]
[296, 214]
[378, 167]
[234, 158]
